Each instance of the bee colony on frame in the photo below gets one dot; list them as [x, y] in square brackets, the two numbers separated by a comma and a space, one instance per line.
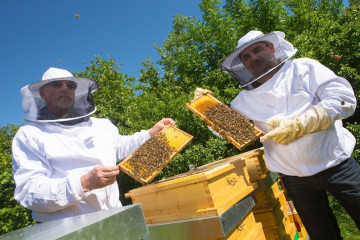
[225, 121]
[150, 158]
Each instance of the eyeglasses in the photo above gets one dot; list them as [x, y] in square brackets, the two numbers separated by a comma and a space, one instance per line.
[59, 84]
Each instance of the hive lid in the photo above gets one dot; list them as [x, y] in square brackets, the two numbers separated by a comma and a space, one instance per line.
[244, 135]
[150, 158]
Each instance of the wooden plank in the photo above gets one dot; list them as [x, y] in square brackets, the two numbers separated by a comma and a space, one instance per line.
[214, 227]
[242, 156]
[241, 230]
[271, 233]
[176, 138]
[267, 199]
[292, 213]
[256, 166]
[256, 232]
[199, 107]
[267, 219]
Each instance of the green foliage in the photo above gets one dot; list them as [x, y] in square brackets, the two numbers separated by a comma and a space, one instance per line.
[329, 33]
[12, 215]
[349, 231]
[190, 58]
[355, 130]
[114, 93]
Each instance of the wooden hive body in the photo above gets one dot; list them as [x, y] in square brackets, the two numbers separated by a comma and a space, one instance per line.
[206, 191]
[245, 230]
[273, 212]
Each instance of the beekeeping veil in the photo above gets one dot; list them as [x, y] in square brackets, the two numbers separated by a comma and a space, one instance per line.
[34, 106]
[234, 66]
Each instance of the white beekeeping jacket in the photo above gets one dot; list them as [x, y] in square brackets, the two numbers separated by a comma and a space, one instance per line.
[294, 89]
[49, 159]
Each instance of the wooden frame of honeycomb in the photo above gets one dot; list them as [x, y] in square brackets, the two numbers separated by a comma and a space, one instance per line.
[240, 133]
[150, 158]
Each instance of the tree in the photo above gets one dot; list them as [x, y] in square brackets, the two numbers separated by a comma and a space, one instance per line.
[190, 58]
[12, 215]
[115, 91]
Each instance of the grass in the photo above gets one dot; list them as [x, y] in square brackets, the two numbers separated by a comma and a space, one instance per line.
[349, 231]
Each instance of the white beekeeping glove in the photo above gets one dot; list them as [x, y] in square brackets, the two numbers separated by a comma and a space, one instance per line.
[199, 92]
[286, 130]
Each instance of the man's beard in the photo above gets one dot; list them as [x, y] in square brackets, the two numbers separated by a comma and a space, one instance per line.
[65, 102]
[266, 65]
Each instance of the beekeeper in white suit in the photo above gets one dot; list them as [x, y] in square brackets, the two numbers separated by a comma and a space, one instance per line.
[299, 104]
[64, 161]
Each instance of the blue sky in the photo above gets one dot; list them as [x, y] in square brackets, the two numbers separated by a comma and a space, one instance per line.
[39, 34]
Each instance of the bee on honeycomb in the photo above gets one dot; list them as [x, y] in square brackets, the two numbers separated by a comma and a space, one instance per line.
[151, 156]
[230, 123]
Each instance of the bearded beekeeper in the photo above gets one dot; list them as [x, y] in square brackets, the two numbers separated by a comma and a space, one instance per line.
[64, 161]
[299, 104]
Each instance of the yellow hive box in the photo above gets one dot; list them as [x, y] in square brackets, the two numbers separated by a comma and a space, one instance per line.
[257, 232]
[303, 234]
[176, 138]
[292, 213]
[203, 192]
[271, 233]
[264, 202]
[290, 227]
[253, 231]
[256, 165]
[267, 198]
[199, 107]
[241, 230]
[254, 162]
[267, 219]
[283, 201]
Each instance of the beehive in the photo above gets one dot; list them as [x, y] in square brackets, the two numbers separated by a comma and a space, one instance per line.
[234, 222]
[201, 105]
[246, 229]
[267, 193]
[255, 164]
[175, 139]
[273, 211]
[205, 191]
[292, 213]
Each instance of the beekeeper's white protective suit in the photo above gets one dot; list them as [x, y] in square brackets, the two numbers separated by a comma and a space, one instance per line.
[299, 85]
[50, 155]
[300, 107]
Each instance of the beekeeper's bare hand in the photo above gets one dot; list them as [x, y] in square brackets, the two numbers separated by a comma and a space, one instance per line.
[99, 177]
[200, 92]
[160, 125]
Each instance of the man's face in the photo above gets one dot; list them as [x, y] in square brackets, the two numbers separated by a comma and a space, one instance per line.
[259, 58]
[59, 96]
